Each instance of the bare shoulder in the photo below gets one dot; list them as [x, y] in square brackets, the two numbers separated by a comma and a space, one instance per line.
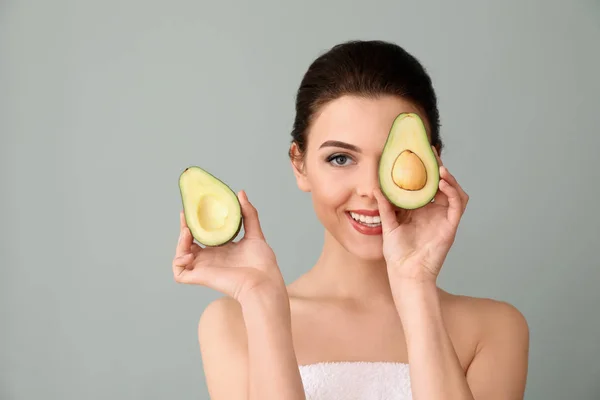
[500, 363]
[223, 346]
[492, 316]
[222, 316]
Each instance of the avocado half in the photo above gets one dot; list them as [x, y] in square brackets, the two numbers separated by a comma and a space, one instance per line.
[408, 169]
[212, 210]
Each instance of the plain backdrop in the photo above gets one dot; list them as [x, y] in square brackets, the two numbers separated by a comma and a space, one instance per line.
[104, 103]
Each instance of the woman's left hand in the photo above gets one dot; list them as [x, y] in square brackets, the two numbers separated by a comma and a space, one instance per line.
[416, 246]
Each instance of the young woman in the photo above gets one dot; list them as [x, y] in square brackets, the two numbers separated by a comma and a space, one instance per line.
[368, 320]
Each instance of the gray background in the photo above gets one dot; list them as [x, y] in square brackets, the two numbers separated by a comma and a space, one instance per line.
[104, 103]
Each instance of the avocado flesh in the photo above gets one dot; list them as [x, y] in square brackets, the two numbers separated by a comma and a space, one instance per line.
[212, 210]
[408, 168]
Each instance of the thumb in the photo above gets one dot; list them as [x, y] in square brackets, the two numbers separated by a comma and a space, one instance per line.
[386, 212]
[252, 229]
[227, 280]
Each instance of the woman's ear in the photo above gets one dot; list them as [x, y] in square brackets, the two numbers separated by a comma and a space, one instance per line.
[298, 167]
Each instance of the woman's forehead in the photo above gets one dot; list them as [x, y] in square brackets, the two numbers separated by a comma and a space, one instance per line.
[361, 121]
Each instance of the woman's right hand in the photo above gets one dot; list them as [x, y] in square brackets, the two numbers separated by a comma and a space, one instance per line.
[235, 269]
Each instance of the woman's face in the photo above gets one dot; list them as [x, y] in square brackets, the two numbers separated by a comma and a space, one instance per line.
[340, 169]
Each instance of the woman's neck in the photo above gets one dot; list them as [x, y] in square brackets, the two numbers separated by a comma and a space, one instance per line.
[338, 274]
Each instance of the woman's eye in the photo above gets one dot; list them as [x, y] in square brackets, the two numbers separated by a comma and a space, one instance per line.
[339, 160]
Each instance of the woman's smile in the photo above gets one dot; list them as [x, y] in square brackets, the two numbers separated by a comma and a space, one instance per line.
[366, 222]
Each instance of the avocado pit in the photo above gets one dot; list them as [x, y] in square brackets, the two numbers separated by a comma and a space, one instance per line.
[409, 172]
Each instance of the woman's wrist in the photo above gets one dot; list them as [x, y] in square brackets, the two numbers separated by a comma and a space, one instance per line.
[412, 293]
[411, 273]
[266, 299]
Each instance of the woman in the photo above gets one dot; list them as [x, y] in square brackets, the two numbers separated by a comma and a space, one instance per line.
[370, 307]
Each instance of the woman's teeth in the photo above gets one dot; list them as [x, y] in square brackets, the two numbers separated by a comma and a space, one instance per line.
[366, 220]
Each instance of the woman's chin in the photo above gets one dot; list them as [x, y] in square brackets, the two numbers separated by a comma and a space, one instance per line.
[371, 255]
[366, 249]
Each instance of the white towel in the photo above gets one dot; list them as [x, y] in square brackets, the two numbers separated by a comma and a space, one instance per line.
[356, 381]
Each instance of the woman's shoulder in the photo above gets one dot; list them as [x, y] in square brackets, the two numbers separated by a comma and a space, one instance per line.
[486, 310]
[484, 320]
[501, 339]
[222, 316]
[221, 328]
[491, 321]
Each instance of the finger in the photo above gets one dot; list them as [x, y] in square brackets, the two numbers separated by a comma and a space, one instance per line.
[185, 237]
[455, 206]
[195, 248]
[227, 280]
[440, 197]
[252, 229]
[386, 212]
[219, 278]
[182, 221]
[446, 175]
[183, 262]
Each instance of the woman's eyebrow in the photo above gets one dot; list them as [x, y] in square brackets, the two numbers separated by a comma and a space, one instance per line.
[337, 143]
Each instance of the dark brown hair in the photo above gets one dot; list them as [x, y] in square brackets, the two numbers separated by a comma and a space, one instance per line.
[364, 68]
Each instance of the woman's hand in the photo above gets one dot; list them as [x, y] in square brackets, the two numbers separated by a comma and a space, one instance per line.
[416, 242]
[235, 269]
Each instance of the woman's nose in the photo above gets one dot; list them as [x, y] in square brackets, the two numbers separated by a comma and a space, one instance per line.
[367, 181]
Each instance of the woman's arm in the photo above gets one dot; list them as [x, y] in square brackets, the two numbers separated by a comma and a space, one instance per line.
[247, 349]
[435, 370]
[499, 369]
[246, 337]
[415, 251]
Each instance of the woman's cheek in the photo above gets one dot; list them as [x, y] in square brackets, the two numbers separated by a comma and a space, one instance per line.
[335, 187]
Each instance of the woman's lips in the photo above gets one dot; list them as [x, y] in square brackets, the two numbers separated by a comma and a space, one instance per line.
[364, 229]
